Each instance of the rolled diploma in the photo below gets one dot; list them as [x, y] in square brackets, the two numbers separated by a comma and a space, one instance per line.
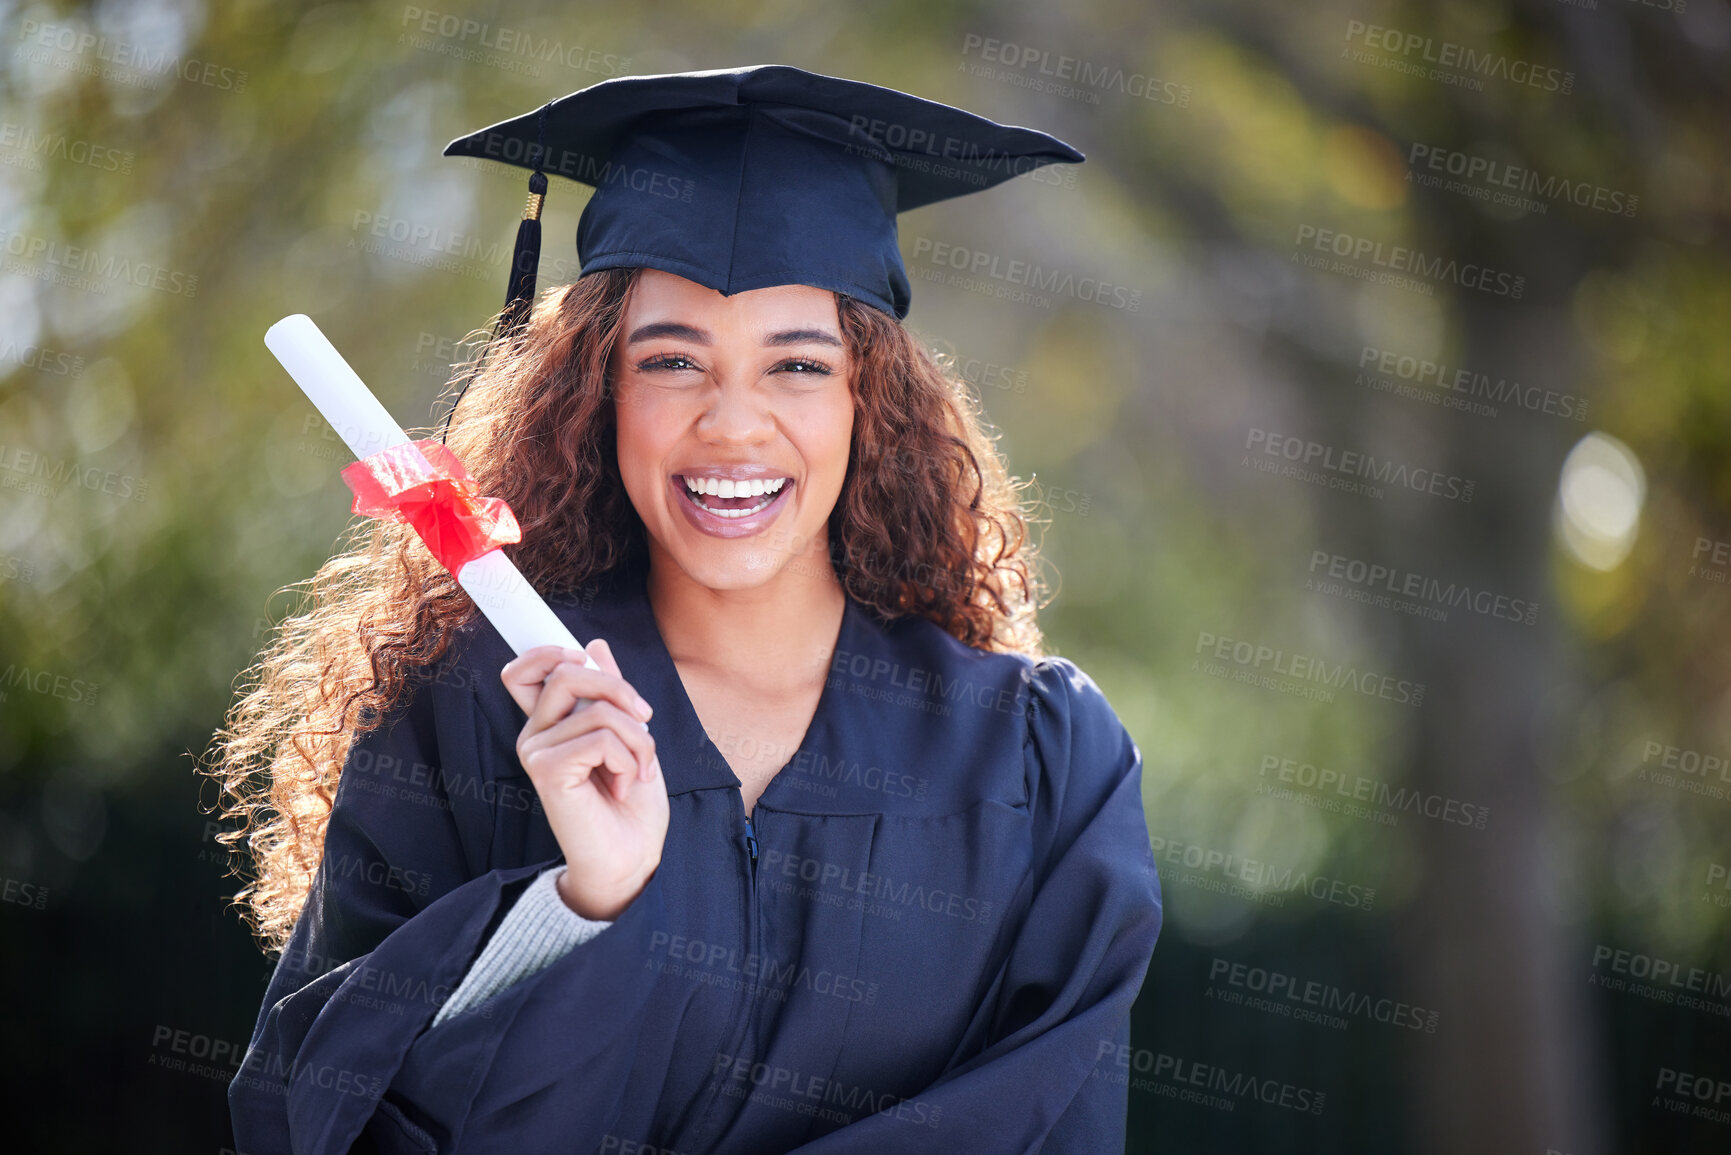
[499, 588]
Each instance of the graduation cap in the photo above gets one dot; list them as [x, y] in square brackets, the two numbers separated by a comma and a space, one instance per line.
[745, 178]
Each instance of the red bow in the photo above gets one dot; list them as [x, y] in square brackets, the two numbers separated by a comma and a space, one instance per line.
[423, 484]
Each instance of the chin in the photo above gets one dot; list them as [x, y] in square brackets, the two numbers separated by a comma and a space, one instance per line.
[718, 564]
[745, 569]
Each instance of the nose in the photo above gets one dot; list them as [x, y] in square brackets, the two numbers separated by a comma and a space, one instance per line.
[738, 413]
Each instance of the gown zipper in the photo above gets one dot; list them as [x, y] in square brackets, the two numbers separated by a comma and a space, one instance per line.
[745, 1016]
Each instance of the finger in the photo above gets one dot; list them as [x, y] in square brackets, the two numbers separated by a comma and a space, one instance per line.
[603, 655]
[597, 715]
[524, 674]
[568, 764]
[570, 683]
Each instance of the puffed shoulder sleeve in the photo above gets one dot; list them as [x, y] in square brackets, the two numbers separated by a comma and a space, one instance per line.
[1096, 916]
[1058, 1013]
[345, 1055]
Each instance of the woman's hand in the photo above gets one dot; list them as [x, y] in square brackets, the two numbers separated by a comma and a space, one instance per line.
[596, 772]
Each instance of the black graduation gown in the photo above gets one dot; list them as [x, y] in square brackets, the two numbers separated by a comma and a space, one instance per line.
[932, 945]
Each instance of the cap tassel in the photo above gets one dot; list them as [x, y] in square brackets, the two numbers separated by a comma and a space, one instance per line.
[525, 263]
[525, 258]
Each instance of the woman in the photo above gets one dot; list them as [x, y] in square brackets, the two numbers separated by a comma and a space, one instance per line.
[875, 876]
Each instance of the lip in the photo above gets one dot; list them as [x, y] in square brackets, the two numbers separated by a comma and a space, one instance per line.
[705, 522]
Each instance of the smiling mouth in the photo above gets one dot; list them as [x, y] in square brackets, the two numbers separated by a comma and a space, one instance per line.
[737, 505]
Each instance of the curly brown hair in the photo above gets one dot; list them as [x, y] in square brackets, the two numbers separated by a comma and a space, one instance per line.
[927, 522]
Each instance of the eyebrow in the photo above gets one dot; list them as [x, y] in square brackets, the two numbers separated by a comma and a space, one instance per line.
[698, 336]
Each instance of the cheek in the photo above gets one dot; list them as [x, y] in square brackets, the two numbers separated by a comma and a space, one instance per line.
[640, 433]
[837, 440]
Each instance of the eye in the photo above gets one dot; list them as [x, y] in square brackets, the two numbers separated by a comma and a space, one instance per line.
[803, 367]
[672, 361]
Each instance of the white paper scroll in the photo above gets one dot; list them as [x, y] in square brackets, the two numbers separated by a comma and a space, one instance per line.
[501, 591]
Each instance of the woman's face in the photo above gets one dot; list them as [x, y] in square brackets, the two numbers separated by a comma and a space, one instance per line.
[752, 394]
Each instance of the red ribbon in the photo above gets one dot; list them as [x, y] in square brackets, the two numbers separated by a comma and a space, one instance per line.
[423, 484]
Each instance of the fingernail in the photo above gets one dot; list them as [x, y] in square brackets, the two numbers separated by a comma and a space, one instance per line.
[643, 710]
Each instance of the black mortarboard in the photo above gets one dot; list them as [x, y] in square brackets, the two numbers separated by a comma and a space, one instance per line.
[744, 178]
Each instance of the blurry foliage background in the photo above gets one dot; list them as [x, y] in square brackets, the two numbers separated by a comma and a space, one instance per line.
[162, 478]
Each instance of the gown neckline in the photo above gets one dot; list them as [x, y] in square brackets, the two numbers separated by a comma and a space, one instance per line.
[685, 727]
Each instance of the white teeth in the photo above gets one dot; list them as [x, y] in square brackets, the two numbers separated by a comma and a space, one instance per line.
[741, 512]
[727, 487]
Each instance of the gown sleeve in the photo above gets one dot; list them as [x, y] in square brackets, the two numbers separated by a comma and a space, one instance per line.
[539, 930]
[344, 1056]
[1057, 1016]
